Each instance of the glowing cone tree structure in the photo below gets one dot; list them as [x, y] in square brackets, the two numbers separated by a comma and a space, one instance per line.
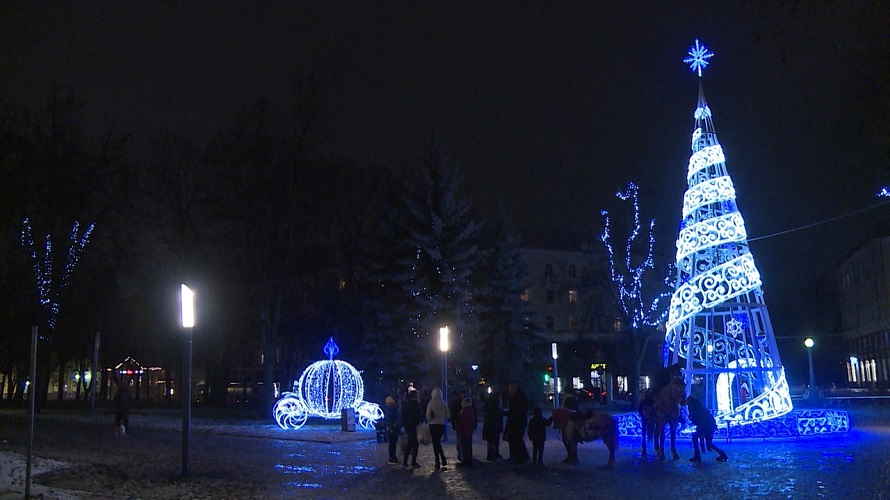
[718, 326]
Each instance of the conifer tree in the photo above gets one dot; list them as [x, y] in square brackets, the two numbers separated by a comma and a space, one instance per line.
[427, 283]
[504, 338]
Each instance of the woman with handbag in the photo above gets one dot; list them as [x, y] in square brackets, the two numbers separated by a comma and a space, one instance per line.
[437, 414]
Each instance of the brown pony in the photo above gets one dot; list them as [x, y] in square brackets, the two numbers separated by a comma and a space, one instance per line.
[646, 406]
[667, 412]
[648, 420]
[577, 427]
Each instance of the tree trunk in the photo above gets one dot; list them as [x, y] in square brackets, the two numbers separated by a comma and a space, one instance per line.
[639, 348]
[60, 393]
[44, 371]
[18, 390]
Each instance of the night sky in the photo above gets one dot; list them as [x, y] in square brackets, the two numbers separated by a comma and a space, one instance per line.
[551, 107]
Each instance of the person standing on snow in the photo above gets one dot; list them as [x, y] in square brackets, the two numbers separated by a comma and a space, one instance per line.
[514, 429]
[437, 413]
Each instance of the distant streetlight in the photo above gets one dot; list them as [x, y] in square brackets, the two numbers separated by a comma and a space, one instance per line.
[554, 354]
[813, 391]
[188, 323]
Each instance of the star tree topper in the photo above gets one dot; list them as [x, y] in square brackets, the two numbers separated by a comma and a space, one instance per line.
[698, 57]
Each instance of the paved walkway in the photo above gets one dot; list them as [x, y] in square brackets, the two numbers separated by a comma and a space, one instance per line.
[259, 460]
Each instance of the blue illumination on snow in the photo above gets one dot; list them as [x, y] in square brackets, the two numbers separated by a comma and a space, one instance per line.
[698, 57]
[325, 389]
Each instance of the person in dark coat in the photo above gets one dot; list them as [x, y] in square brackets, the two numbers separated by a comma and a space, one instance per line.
[466, 424]
[121, 402]
[411, 418]
[424, 399]
[514, 429]
[454, 406]
[393, 426]
[705, 426]
[493, 425]
[537, 434]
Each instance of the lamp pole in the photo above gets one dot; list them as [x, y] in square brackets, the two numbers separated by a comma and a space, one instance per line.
[188, 323]
[555, 376]
[813, 391]
[443, 347]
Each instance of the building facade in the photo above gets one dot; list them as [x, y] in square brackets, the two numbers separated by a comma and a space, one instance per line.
[572, 304]
[863, 281]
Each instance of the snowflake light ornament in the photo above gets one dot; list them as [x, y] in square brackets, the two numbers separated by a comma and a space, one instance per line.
[698, 57]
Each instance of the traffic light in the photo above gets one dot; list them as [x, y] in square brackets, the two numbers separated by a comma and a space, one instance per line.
[548, 375]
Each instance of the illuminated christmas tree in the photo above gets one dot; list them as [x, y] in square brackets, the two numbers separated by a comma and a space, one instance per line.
[718, 327]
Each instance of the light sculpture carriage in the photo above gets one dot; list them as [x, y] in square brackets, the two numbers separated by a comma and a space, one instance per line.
[325, 389]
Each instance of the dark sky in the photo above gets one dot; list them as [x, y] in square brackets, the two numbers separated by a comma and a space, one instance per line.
[551, 106]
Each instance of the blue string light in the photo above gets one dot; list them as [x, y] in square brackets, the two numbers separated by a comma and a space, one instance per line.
[43, 271]
[629, 280]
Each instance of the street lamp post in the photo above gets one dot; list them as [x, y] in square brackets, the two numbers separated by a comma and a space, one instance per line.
[443, 347]
[188, 323]
[813, 391]
[555, 376]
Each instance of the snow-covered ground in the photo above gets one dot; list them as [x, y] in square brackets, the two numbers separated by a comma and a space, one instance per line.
[77, 456]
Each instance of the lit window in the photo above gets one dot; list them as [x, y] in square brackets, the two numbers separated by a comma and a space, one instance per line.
[524, 296]
[573, 296]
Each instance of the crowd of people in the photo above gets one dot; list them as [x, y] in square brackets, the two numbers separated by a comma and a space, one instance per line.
[424, 412]
[421, 412]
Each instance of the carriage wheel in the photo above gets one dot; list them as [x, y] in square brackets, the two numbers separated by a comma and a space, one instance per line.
[290, 412]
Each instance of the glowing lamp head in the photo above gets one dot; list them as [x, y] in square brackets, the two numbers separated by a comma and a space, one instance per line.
[188, 307]
[553, 350]
[809, 343]
[443, 339]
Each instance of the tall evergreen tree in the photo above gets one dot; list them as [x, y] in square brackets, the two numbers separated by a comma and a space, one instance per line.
[506, 343]
[429, 283]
